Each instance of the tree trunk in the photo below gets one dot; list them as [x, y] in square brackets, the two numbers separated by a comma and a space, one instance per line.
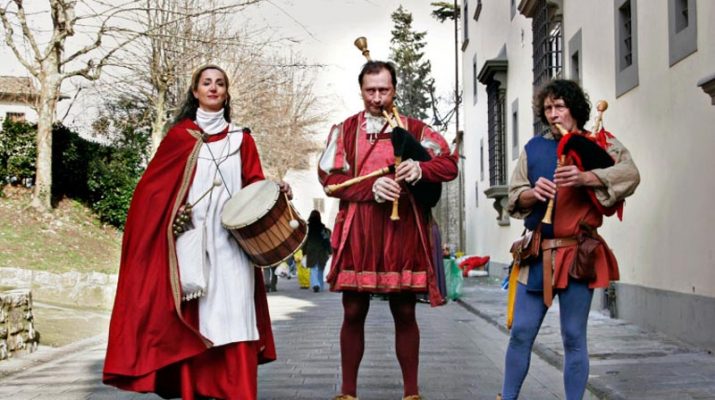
[42, 195]
[159, 123]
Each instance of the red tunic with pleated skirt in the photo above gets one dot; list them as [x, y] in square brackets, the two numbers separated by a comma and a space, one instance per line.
[573, 209]
[371, 252]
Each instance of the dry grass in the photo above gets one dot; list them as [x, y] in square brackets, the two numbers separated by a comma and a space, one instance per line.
[68, 239]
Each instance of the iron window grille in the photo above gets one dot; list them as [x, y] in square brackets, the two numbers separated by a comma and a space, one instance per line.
[547, 50]
[497, 133]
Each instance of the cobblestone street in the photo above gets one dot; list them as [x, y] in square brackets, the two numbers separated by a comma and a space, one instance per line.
[461, 357]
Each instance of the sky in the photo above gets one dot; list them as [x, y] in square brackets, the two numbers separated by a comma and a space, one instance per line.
[327, 29]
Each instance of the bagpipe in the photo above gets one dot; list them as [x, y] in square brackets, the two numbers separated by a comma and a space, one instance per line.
[405, 146]
[587, 152]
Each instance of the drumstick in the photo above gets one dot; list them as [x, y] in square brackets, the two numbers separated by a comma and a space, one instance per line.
[550, 207]
[216, 183]
[293, 222]
[398, 159]
[601, 106]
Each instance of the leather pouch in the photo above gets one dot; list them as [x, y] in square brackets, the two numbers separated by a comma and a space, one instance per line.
[584, 263]
[528, 246]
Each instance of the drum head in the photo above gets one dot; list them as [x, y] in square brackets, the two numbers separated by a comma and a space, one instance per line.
[250, 204]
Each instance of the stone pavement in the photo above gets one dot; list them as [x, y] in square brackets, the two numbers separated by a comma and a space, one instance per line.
[462, 357]
[626, 361]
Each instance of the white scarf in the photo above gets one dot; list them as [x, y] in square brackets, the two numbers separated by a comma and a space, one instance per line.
[211, 122]
[374, 124]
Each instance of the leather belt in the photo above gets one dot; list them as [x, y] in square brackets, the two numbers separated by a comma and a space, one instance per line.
[549, 246]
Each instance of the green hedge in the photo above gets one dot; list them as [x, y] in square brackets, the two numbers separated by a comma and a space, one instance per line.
[18, 152]
[101, 176]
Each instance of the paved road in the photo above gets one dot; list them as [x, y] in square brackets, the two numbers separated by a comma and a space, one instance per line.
[461, 357]
[627, 362]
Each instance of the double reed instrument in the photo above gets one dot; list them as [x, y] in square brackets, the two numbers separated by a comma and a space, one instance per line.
[550, 207]
[398, 158]
[361, 44]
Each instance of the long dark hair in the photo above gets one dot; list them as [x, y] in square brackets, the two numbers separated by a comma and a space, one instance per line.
[573, 96]
[191, 104]
[315, 226]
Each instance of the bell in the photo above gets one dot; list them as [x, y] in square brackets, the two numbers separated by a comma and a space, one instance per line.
[361, 44]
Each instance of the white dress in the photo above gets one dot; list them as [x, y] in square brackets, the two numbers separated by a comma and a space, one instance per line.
[227, 312]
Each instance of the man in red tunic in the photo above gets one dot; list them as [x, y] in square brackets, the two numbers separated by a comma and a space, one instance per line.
[373, 254]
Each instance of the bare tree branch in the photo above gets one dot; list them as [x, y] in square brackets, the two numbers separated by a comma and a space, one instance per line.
[10, 41]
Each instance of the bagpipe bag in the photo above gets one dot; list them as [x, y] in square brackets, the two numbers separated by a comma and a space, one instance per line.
[408, 147]
[587, 154]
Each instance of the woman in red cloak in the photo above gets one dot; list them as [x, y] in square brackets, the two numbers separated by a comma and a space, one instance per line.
[190, 317]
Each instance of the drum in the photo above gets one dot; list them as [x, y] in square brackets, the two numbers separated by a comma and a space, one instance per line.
[258, 217]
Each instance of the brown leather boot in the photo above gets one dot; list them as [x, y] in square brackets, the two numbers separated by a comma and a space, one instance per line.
[344, 397]
[413, 397]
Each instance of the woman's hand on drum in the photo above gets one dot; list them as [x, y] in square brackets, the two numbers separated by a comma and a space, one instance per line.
[182, 222]
[285, 187]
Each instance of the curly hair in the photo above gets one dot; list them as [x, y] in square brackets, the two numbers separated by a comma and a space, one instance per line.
[374, 67]
[191, 104]
[573, 96]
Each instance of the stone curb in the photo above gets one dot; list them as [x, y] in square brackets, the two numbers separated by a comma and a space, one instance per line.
[46, 354]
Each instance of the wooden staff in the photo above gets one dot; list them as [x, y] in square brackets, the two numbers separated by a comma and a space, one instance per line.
[561, 161]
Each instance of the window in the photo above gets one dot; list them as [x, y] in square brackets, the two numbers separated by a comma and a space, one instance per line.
[575, 67]
[476, 194]
[465, 25]
[497, 137]
[475, 79]
[481, 159]
[575, 57]
[547, 49]
[682, 29]
[681, 15]
[494, 76]
[15, 116]
[319, 204]
[477, 10]
[626, 45]
[515, 129]
[626, 42]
